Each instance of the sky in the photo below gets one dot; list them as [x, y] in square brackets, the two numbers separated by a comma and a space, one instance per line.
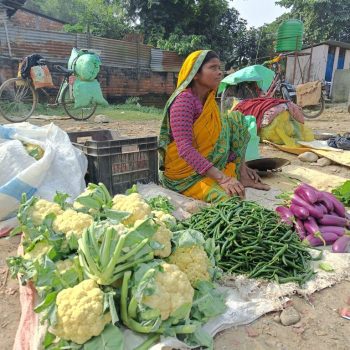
[258, 12]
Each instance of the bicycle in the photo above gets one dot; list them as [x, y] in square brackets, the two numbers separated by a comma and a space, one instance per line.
[281, 89]
[19, 98]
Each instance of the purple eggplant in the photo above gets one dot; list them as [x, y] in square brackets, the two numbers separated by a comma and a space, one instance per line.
[340, 231]
[322, 207]
[341, 245]
[311, 226]
[299, 212]
[323, 199]
[333, 220]
[329, 237]
[299, 227]
[312, 241]
[337, 205]
[285, 214]
[307, 193]
[313, 211]
[324, 239]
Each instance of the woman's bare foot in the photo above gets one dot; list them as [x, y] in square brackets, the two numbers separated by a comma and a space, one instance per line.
[248, 182]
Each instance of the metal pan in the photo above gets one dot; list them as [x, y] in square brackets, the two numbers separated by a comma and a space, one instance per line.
[265, 165]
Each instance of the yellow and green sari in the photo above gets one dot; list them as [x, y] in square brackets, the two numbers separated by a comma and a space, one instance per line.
[215, 137]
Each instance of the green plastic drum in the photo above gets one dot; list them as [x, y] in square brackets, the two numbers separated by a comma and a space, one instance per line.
[290, 36]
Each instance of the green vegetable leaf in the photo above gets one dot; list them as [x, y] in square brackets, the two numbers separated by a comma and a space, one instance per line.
[161, 203]
[200, 338]
[50, 343]
[89, 202]
[145, 230]
[116, 215]
[110, 339]
[17, 230]
[132, 189]
[49, 300]
[49, 339]
[285, 195]
[343, 192]
[326, 267]
[188, 238]
[61, 199]
[208, 302]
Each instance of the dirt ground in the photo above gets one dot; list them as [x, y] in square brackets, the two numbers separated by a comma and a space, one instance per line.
[320, 326]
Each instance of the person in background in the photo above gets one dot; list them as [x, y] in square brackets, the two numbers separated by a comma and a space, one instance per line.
[202, 153]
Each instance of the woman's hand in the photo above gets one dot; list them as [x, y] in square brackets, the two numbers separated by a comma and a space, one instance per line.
[232, 187]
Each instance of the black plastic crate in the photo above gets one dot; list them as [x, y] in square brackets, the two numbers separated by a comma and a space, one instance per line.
[116, 161]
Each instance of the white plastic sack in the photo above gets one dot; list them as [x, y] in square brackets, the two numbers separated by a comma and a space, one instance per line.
[62, 168]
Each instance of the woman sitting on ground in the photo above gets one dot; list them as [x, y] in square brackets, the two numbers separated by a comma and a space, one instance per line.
[202, 152]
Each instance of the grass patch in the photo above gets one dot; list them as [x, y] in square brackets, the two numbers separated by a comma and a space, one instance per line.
[126, 111]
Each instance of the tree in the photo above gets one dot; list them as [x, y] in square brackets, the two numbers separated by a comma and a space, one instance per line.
[323, 19]
[188, 25]
[98, 17]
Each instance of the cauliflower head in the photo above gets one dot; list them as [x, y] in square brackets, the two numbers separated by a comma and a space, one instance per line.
[80, 313]
[193, 261]
[71, 222]
[41, 208]
[167, 219]
[172, 291]
[40, 249]
[163, 236]
[64, 266]
[134, 204]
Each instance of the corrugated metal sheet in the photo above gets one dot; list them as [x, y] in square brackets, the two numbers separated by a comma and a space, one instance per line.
[172, 62]
[157, 60]
[165, 61]
[3, 15]
[121, 53]
[116, 53]
[52, 45]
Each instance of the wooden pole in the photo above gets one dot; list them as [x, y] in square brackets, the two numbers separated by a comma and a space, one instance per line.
[309, 72]
[4, 17]
[295, 58]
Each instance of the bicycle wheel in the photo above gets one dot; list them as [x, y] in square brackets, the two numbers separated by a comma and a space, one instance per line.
[75, 113]
[312, 112]
[17, 100]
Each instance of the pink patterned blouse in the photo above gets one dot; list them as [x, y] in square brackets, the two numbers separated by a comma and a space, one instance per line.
[184, 111]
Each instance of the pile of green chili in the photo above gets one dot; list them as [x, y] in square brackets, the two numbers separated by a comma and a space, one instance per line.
[252, 240]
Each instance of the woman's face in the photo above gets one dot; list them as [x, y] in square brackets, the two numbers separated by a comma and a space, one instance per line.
[210, 74]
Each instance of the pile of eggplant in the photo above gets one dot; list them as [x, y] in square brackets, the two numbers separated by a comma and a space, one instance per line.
[318, 217]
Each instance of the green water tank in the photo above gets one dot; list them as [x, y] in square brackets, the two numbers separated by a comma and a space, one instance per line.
[290, 36]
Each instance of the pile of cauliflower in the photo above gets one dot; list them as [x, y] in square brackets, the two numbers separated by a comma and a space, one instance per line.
[161, 266]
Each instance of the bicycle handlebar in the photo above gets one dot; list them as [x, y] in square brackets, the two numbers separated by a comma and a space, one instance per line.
[63, 69]
[276, 59]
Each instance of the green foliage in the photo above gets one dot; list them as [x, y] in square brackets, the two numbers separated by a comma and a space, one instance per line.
[207, 24]
[182, 44]
[161, 203]
[343, 193]
[98, 17]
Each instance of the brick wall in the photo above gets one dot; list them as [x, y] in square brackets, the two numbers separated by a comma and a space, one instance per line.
[28, 20]
[117, 83]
